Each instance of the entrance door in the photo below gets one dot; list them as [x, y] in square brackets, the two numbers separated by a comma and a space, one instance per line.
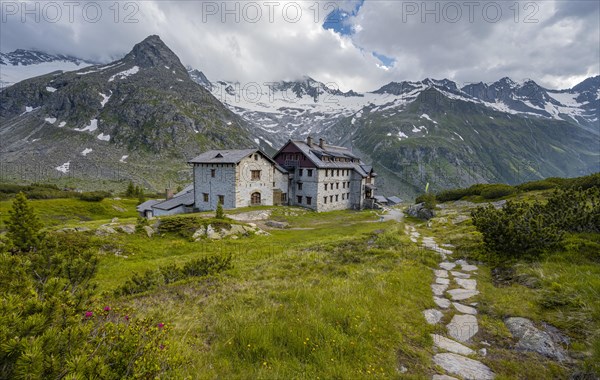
[255, 199]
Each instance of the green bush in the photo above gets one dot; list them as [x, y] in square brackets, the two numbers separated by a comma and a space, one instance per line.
[94, 196]
[206, 265]
[428, 200]
[518, 229]
[184, 225]
[151, 279]
[497, 191]
[584, 183]
[52, 328]
[575, 210]
[219, 214]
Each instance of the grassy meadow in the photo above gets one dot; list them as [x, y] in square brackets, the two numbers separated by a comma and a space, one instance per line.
[336, 295]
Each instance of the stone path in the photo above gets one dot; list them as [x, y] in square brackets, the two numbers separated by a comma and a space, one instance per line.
[453, 289]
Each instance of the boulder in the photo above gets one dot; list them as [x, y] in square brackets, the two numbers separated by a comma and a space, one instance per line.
[446, 344]
[420, 211]
[128, 228]
[533, 339]
[237, 229]
[149, 231]
[275, 224]
[105, 230]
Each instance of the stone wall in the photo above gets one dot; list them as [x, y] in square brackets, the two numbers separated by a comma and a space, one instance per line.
[223, 183]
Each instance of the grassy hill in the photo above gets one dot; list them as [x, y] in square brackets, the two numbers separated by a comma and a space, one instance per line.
[337, 295]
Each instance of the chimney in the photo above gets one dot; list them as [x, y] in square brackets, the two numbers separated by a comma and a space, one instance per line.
[309, 141]
[322, 143]
[169, 193]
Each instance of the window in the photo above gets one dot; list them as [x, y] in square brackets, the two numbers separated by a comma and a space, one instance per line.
[338, 172]
[308, 200]
[299, 172]
[336, 198]
[205, 197]
[331, 198]
[325, 200]
[255, 175]
[255, 199]
[256, 157]
[326, 172]
[213, 172]
[325, 187]
[284, 197]
[343, 185]
[299, 199]
[299, 186]
[222, 199]
[337, 185]
[309, 172]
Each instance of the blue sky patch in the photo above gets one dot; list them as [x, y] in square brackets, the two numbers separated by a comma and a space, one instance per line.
[336, 20]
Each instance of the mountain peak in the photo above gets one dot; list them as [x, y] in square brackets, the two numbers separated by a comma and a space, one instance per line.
[153, 52]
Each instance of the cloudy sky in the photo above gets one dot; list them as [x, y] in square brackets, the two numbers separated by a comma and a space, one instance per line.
[355, 44]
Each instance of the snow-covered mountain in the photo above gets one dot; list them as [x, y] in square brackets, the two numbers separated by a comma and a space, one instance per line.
[24, 64]
[284, 110]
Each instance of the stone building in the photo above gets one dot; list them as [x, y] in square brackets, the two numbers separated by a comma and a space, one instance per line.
[238, 178]
[325, 177]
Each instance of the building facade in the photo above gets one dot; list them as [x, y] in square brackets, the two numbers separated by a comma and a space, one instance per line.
[237, 178]
[324, 177]
[319, 176]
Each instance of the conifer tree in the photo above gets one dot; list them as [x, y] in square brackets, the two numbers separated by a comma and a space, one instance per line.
[219, 214]
[23, 224]
[130, 190]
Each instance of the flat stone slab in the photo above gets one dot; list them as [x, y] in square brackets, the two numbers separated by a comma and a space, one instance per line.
[440, 273]
[468, 369]
[468, 284]
[446, 344]
[438, 289]
[447, 266]
[442, 281]
[463, 327]
[468, 267]
[462, 294]
[533, 339]
[444, 303]
[443, 377]
[460, 274]
[464, 308]
[432, 316]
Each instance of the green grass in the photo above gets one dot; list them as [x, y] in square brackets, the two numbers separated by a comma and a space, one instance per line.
[67, 211]
[562, 288]
[343, 300]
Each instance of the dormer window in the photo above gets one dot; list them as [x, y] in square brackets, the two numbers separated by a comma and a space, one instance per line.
[219, 155]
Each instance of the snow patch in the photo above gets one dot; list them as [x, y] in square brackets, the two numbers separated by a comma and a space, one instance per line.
[50, 120]
[62, 124]
[425, 116]
[28, 109]
[86, 151]
[123, 158]
[401, 135]
[64, 168]
[257, 141]
[91, 127]
[389, 134]
[104, 99]
[103, 137]
[124, 74]
[50, 89]
[458, 136]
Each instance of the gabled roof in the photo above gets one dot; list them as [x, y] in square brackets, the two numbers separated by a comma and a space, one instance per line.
[186, 199]
[229, 156]
[394, 200]
[380, 199]
[147, 206]
[226, 156]
[315, 154]
[186, 189]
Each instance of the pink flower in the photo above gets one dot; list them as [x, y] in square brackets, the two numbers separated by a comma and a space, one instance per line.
[89, 314]
[162, 346]
[106, 308]
[127, 317]
[161, 325]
